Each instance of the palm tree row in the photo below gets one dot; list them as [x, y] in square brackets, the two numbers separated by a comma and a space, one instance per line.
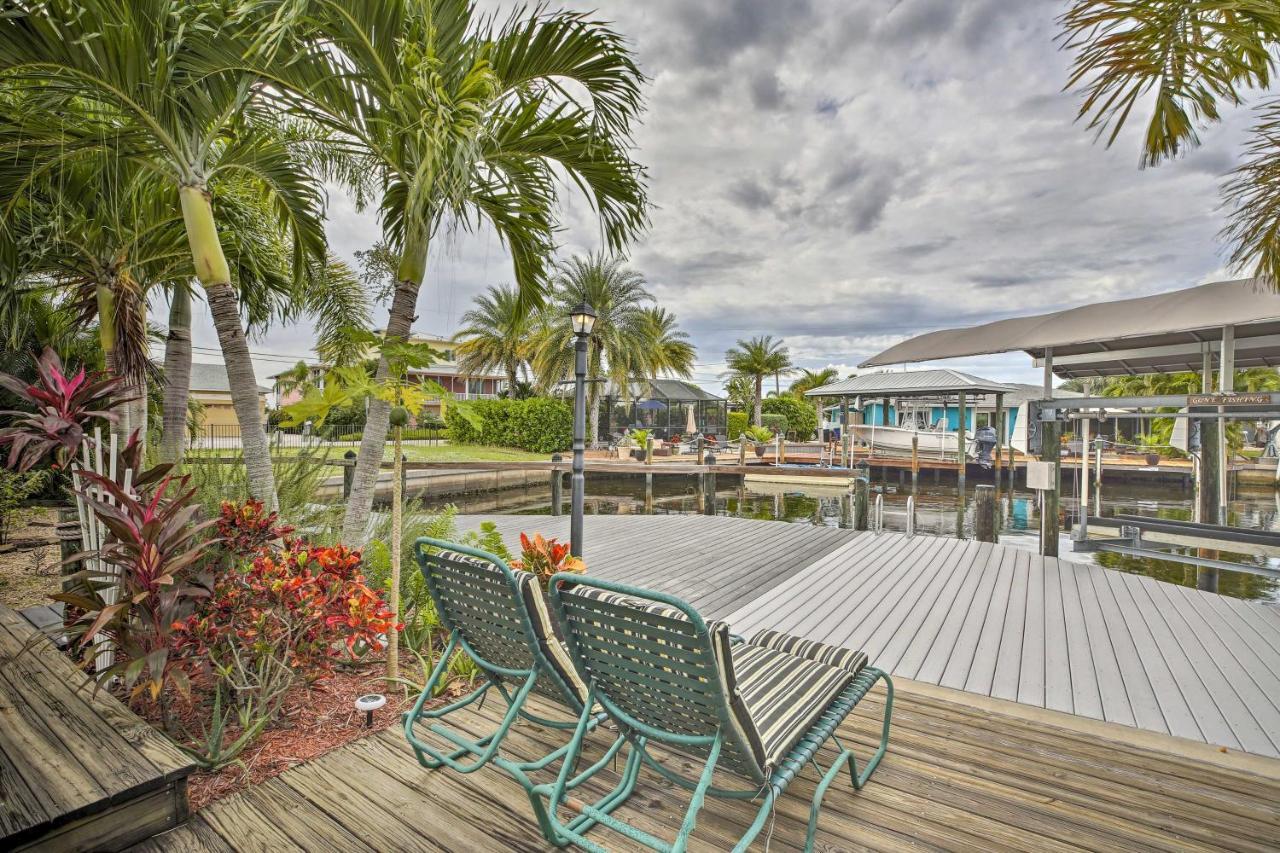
[215, 125]
[633, 340]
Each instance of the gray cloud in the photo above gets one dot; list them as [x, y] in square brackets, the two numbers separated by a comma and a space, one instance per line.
[843, 173]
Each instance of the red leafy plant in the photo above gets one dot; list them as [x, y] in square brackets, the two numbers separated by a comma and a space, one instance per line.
[63, 409]
[303, 605]
[544, 557]
[247, 529]
[136, 585]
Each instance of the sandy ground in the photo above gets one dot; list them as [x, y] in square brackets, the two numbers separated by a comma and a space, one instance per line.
[29, 570]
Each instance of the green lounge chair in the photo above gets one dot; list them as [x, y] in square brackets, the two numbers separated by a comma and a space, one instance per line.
[759, 710]
[499, 617]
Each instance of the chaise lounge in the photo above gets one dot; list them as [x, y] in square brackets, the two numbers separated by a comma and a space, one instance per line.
[758, 710]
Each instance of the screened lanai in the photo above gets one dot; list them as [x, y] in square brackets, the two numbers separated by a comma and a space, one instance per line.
[663, 406]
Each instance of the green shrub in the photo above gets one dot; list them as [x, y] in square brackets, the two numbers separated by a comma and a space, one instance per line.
[737, 423]
[536, 424]
[774, 423]
[801, 419]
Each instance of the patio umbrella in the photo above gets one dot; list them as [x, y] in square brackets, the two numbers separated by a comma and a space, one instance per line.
[690, 424]
[651, 405]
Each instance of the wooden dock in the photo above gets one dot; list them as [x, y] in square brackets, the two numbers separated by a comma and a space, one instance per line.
[962, 773]
[986, 619]
[78, 770]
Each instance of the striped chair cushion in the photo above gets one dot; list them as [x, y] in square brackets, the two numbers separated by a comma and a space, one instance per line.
[836, 656]
[784, 696]
[550, 637]
[773, 696]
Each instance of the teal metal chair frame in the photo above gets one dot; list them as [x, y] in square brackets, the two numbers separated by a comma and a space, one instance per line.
[484, 750]
[640, 735]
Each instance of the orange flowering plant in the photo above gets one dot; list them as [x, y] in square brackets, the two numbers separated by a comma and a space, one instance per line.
[544, 557]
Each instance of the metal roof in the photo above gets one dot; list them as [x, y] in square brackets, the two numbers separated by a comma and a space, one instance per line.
[213, 378]
[910, 383]
[665, 389]
[1165, 333]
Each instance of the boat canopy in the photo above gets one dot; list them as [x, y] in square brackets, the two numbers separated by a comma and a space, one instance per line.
[940, 381]
[1165, 333]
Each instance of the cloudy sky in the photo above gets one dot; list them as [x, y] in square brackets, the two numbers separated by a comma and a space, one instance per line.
[846, 173]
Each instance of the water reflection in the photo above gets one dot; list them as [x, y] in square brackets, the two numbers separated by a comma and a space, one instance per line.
[939, 510]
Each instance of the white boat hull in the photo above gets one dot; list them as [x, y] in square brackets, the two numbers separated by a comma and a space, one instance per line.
[897, 440]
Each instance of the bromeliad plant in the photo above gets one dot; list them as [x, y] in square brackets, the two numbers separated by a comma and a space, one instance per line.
[544, 557]
[64, 407]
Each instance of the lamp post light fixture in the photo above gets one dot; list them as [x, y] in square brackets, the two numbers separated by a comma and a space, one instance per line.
[583, 319]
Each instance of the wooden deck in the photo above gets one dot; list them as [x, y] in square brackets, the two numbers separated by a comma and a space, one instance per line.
[989, 620]
[958, 776]
[78, 771]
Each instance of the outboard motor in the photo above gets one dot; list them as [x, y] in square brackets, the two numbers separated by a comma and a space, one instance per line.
[985, 440]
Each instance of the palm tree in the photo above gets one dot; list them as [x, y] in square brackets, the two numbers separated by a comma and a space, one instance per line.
[667, 350]
[463, 120]
[811, 379]
[495, 335]
[1195, 58]
[166, 78]
[618, 296]
[757, 358]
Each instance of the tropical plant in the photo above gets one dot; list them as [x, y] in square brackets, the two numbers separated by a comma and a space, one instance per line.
[811, 379]
[64, 409]
[667, 350]
[759, 434]
[740, 392]
[167, 79]
[544, 557]
[394, 386]
[136, 585]
[495, 335]
[756, 358]
[618, 296]
[1188, 59]
[464, 120]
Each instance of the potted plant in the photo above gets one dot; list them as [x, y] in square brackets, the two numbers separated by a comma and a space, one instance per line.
[761, 436]
[1150, 445]
[639, 440]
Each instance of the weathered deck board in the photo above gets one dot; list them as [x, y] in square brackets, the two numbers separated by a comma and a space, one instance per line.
[964, 772]
[987, 619]
[78, 770]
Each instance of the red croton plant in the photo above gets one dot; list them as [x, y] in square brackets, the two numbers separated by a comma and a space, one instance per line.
[544, 557]
[303, 603]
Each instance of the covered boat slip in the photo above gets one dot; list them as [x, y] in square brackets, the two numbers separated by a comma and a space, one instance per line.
[987, 619]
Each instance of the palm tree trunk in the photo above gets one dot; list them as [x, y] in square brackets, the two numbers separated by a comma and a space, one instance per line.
[106, 299]
[177, 375]
[593, 415]
[397, 535]
[759, 414]
[215, 276]
[511, 380]
[355, 521]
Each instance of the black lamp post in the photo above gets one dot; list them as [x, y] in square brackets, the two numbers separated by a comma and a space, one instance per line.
[584, 320]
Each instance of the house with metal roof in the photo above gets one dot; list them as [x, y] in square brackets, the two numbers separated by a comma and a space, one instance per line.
[212, 390]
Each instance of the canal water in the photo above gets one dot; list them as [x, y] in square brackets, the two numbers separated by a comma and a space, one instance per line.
[939, 511]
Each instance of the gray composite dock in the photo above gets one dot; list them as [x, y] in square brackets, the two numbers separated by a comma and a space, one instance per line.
[987, 619]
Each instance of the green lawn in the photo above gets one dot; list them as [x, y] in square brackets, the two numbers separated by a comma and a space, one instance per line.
[414, 452]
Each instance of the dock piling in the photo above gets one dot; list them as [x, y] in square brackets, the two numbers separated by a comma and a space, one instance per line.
[984, 514]
[915, 462]
[860, 488]
[348, 473]
[557, 487]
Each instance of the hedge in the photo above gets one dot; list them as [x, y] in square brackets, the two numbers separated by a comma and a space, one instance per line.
[737, 423]
[536, 424]
[801, 418]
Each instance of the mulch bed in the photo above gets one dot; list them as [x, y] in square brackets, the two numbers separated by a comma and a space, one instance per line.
[315, 719]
